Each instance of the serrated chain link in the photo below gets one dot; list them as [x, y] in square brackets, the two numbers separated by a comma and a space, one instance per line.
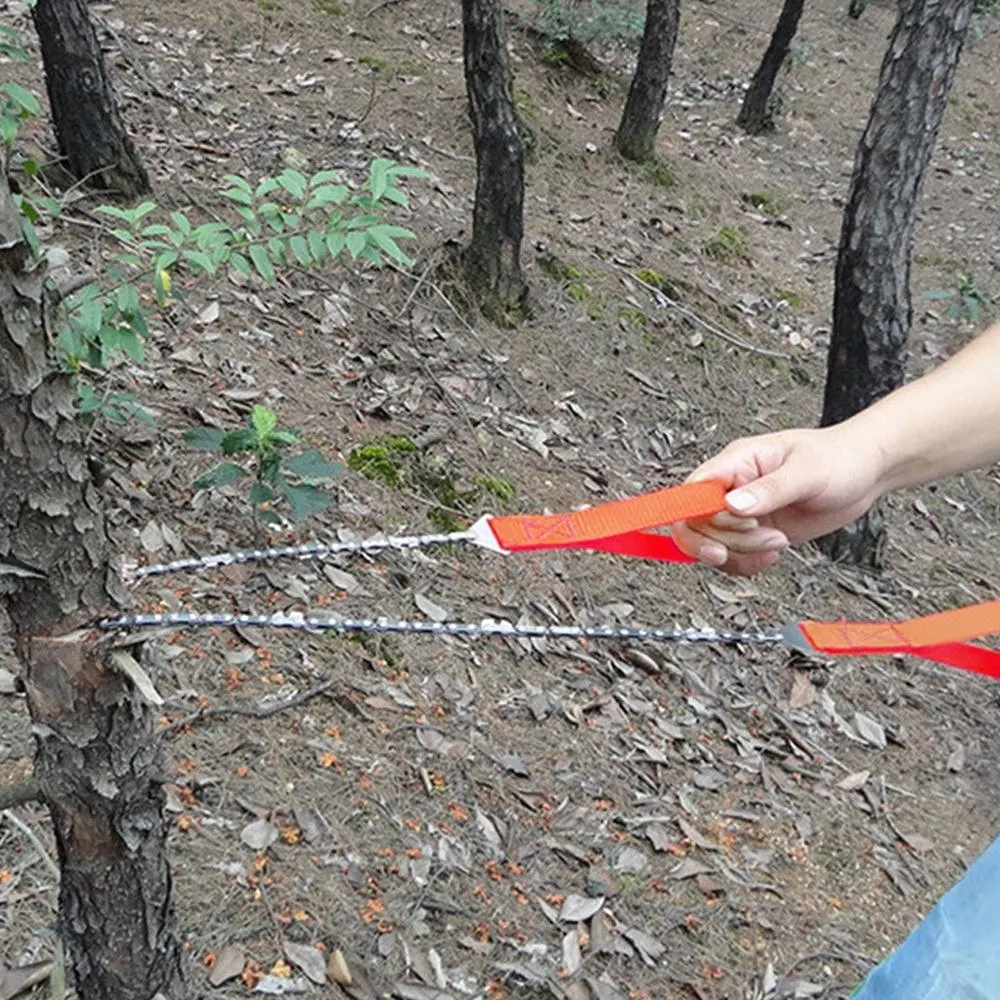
[379, 543]
[311, 550]
[487, 627]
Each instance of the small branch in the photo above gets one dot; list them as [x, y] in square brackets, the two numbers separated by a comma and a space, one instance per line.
[253, 712]
[32, 837]
[20, 794]
[729, 338]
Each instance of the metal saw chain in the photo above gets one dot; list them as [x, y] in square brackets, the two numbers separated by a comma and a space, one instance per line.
[378, 543]
[487, 627]
[310, 550]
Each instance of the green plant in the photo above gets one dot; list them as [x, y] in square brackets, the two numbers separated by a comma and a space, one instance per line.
[400, 464]
[727, 246]
[798, 54]
[383, 461]
[375, 63]
[19, 103]
[656, 280]
[588, 21]
[114, 407]
[792, 299]
[768, 204]
[284, 221]
[966, 298]
[279, 477]
[572, 280]
[659, 174]
[525, 103]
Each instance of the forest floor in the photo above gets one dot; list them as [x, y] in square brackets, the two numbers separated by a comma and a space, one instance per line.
[496, 817]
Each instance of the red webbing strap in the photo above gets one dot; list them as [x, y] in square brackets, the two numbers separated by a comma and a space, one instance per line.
[937, 637]
[619, 526]
[641, 544]
[622, 527]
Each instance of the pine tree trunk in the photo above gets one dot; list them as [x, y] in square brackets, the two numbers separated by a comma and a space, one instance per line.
[871, 308]
[755, 114]
[493, 258]
[95, 753]
[636, 135]
[88, 127]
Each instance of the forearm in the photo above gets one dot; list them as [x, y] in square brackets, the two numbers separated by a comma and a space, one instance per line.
[946, 422]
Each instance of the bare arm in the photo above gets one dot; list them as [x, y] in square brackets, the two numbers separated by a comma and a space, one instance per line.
[796, 485]
[946, 422]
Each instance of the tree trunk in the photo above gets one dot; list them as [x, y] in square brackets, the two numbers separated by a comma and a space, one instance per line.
[755, 114]
[636, 135]
[95, 754]
[493, 258]
[871, 306]
[89, 129]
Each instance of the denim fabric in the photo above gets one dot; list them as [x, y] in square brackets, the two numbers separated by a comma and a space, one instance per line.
[954, 954]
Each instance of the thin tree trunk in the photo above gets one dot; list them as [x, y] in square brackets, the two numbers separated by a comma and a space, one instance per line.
[755, 113]
[493, 258]
[88, 127]
[636, 135]
[872, 309]
[95, 753]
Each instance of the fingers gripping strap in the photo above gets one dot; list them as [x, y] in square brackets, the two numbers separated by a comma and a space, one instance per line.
[584, 528]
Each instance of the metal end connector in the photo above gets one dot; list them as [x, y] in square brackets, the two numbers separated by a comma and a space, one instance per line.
[793, 636]
[481, 534]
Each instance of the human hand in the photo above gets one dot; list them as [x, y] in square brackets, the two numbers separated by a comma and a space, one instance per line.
[783, 488]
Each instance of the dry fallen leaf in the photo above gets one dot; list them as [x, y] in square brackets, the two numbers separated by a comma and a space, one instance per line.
[259, 835]
[571, 954]
[650, 949]
[576, 909]
[854, 781]
[918, 842]
[869, 730]
[16, 981]
[803, 691]
[337, 969]
[434, 611]
[228, 965]
[688, 868]
[308, 959]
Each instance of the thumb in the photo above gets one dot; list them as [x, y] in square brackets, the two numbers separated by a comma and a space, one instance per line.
[768, 494]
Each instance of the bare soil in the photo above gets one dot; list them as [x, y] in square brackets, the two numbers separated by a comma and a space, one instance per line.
[441, 801]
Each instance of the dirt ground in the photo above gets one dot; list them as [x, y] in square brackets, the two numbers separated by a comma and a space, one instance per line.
[499, 818]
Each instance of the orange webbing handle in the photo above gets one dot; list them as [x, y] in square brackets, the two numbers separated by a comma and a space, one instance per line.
[620, 524]
[938, 637]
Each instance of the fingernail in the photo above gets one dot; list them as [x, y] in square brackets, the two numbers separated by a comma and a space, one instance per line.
[774, 541]
[713, 554]
[742, 501]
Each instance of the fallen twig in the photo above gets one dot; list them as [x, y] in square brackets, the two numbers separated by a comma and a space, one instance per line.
[663, 299]
[19, 794]
[251, 711]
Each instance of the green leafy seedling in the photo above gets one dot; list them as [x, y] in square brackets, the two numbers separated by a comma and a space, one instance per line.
[262, 453]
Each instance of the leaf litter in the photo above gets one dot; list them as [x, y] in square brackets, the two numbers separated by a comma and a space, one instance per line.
[459, 797]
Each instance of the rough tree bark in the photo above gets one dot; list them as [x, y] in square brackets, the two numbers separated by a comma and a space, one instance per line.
[636, 135]
[755, 112]
[871, 307]
[88, 127]
[95, 751]
[493, 258]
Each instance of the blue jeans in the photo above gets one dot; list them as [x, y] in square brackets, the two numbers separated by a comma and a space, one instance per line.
[954, 954]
